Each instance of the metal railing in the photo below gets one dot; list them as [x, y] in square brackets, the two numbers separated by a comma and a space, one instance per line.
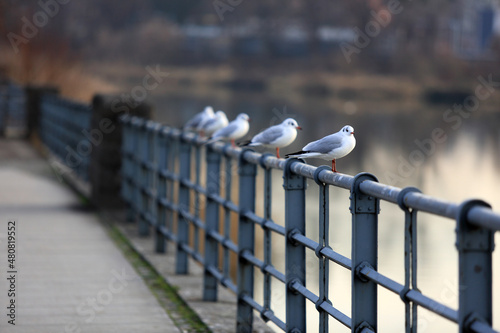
[63, 124]
[160, 180]
[12, 108]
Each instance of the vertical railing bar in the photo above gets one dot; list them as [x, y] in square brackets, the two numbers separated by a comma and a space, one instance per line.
[210, 282]
[197, 154]
[475, 277]
[227, 213]
[295, 256]
[267, 236]
[267, 232]
[162, 153]
[143, 227]
[408, 271]
[172, 156]
[246, 243]
[324, 211]
[184, 194]
[364, 210]
[414, 261]
[410, 259]
[152, 130]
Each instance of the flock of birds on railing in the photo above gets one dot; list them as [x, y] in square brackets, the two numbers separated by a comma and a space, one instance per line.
[215, 126]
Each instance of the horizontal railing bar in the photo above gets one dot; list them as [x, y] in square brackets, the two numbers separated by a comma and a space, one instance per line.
[484, 217]
[167, 204]
[342, 318]
[328, 177]
[189, 250]
[225, 242]
[327, 252]
[169, 235]
[168, 175]
[307, 242]
[264, 313]
[412, 295]
[191, 218]
[262, 266]
[481, 327]
[226, 282]
[268, 224]
[479, 216]
[336, 257]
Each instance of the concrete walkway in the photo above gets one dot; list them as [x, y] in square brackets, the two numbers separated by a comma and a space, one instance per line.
[69, 276]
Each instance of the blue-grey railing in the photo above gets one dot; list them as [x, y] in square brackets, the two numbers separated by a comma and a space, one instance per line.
[12, 108]
[159, 180]
[62, 128]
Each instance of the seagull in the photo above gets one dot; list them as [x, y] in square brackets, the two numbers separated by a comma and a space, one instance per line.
[277, 136]
[330, 147]
[200, 117]
[236, 129]
[210, 125]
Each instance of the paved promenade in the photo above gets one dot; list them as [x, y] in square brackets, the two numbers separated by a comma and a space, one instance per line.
[67, 274]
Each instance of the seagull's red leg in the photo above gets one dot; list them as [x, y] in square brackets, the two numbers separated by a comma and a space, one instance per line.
[232, 143]
[278, 152]
[334, 165]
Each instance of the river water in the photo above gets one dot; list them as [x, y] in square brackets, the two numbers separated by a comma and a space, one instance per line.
[449, 158]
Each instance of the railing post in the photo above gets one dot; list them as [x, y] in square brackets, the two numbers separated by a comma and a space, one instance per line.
[295, 256]
[212, 224]
[246, 242]
[161, 189]
[181, 266]
[143, 226]
[364, 210]
[475, 246]
[127, 166]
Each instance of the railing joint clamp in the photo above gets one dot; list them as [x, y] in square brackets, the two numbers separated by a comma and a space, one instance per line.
[359, 268]
[320, 248]
[291, 234]
[362, 326]
[319, 170]
[402, 196]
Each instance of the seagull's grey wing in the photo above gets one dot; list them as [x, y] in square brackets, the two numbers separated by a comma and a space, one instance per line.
[226, 131]
[195, 121]
[209, 122]
[324, 145]
[269, 135]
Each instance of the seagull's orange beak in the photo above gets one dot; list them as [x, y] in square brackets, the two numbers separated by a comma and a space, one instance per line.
[298, 127]
[352, 133]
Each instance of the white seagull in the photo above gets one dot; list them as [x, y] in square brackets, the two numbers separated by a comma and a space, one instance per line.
[236, 129]
[330, 147]
[210, 125]
[277, 136]
[200, 117]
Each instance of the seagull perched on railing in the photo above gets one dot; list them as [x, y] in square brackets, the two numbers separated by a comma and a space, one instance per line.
[211, 125]
[330, 147]
[277, 136]
[236, 129]
[199, 118]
